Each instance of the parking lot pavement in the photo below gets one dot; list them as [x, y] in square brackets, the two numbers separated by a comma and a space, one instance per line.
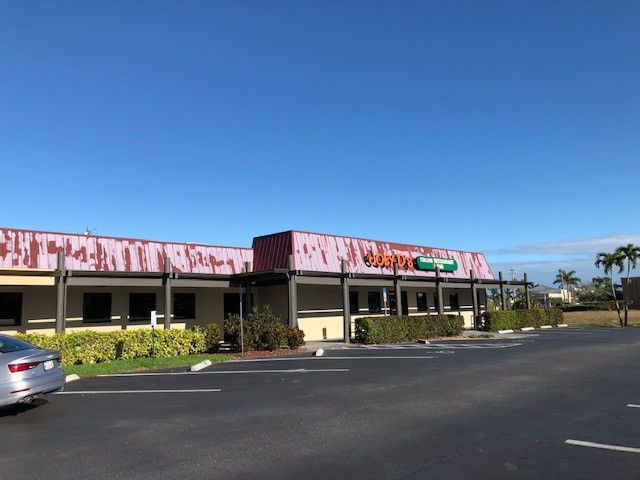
[502, 409]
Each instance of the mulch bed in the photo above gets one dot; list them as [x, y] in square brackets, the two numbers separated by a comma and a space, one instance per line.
[276, 353]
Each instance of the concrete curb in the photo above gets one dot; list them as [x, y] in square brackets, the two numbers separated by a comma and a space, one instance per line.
[319, 352]
[200, 366]
[527, 329]
[505, 331]
[563, 325]
[546, 326]
[71, 378]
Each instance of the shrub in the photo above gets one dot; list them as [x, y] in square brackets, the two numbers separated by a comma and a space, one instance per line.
[269, 333]
[295, 338]
[263, 330]
[212, 336]
[87, 347]
[591, 307]
[500, 320]
[397, 329]
[510, 319]
[232, 332]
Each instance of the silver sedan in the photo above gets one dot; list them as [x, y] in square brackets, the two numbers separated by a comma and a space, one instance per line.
[27, 372]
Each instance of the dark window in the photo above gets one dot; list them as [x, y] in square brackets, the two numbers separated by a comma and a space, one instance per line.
[96, 307]
[141, 305]
[454, 302]
[405, 302]
[354, 306]
[184, 306]
[231, 304]
[393, 308]
[10, 308]
[374, 302]
[421, 299]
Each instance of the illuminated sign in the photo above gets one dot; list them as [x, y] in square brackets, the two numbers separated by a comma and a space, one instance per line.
[383, 260]
[430, 263]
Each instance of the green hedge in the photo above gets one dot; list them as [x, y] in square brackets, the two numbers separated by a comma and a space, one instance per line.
[398, 329]
[87, 347]
[510, 319]
[591, 307]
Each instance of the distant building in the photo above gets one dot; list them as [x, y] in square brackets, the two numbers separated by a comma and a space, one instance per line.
[545, 294]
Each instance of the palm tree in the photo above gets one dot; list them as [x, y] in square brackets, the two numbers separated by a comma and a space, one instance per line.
[566, 280]
[630, 254]
[608, 261]
[496, 297]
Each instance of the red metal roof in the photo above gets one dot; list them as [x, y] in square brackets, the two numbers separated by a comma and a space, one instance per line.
[311, 251]
[34, 249]
[324, 253]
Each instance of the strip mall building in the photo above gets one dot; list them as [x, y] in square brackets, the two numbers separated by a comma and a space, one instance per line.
[64, 282]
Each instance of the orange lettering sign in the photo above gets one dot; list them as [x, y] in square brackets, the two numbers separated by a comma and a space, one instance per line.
[383, 260]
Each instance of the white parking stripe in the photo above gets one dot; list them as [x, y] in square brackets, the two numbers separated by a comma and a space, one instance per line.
[633, 405]
[225, 372]
[358, 357]
[604, 446]
[100, 392]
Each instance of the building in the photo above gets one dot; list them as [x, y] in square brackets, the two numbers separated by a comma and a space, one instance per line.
[546, 295]
[64, 282]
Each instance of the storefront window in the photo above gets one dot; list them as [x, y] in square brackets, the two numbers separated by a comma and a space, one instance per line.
[454, 302]
[374, 302]
[354, 306]
[96, 307]
[10, 308]
[421, 299]
[184, 306]
[140, 306]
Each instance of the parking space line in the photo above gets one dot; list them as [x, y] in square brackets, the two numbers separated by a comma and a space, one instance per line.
[102, 392]
[227, 372]
[603, 446]
[355, 357]
[633, 405]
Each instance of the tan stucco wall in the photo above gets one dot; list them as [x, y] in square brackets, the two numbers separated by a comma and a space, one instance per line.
[321, 307]
[39, 307]
[277, 296]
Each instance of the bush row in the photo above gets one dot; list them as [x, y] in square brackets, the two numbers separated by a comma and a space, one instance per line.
[591, 307]
[533, 317]
[263, 330]
[397, 329]
[93, 347]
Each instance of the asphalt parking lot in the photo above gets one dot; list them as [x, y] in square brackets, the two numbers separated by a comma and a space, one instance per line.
[545, 404]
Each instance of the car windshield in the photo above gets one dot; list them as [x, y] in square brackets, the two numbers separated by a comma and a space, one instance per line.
[8, 344]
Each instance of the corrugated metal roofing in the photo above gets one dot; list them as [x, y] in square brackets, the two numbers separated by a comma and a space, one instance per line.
[311, 251]
[324, 253]
[33, 249]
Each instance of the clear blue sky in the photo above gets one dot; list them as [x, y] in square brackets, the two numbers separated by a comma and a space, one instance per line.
[506, 127]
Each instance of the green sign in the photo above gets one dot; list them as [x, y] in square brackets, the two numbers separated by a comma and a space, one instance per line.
[430, 263]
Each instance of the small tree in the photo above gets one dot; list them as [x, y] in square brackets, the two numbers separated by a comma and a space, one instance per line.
[609, 261]
[630, 254]
[567, 280]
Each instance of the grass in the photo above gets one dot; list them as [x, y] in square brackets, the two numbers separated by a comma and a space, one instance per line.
[142, 364]
[600, 319]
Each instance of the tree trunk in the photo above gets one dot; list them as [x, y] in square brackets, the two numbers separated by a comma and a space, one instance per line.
[626, 296]
[615, 298]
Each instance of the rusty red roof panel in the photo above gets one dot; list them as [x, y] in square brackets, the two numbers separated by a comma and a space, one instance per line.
[33, 249]
[324, 253]
[271, 251]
